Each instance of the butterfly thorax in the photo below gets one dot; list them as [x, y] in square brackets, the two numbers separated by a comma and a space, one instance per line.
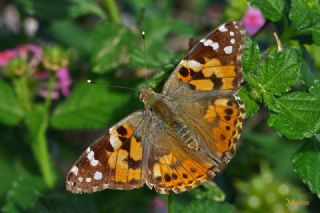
[163, 107]
[156, 104]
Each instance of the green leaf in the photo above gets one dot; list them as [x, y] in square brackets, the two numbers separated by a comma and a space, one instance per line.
[157, 29]
[250, 61]
[22, 87]
[316, 35]
[314, 52]
[271, 9]
[315, 89]
[305, 13]
[235, 9]
[306, 162]
[10, 111]
[86, 7]
[306, 75]
[155, 60]
[181, 27]
[62, 203]
[46, 9]
[8, 169]
[23, 193]
[298, 115]
[209, 191]
[251, 106]
[112, 44]
[88, 106]
[279, 71]
[204, 206]
[70, 34]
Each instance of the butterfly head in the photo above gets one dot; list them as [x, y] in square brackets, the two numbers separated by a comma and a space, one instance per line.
[148, 96]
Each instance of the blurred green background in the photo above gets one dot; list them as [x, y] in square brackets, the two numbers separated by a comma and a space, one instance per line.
[49, 114]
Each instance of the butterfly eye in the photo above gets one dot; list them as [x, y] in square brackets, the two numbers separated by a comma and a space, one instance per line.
[151, 109]
[142, 96]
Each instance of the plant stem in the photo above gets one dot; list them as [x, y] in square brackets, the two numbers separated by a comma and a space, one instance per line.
[40, 143]
[40, 150]
[112, 10]
[170, 203]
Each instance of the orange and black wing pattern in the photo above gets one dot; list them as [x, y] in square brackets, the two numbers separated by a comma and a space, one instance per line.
[214, 63]
[114, 161]
[172, 166]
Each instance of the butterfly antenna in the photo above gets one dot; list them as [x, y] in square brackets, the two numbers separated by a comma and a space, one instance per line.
[89, 81]
[143, 36]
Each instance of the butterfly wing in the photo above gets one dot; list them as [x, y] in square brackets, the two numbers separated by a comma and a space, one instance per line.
[116, 160]
[173, 166]
[218, 121]
[212, 66]
[201, 142]
[205, 82]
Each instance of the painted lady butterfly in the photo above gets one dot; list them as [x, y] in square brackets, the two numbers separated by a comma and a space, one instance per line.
[184, 136]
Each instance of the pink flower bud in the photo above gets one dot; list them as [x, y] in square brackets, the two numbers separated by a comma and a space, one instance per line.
[253, 21]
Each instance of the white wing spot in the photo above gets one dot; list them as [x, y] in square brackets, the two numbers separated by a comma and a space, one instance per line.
[88, 180]
[114, 140]
[75, 170]
[202, 40]
[232, 41]
[94, 162]
[90, 157]
[193, 64]
[232, 33]
[211, 43]
[215, 45]
[223, 28]
[97, 176]
[228, 49]
[208, 42]
[80, 179]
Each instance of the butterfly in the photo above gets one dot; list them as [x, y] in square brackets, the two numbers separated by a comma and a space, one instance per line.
[184, 136]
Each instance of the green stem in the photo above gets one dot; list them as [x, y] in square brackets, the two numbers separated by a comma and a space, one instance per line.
[40, 143]
[40, 150]
[112, 10]
[170, 203]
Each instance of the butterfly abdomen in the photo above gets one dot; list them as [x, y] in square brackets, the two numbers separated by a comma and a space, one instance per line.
[185, 134]
[163, 109]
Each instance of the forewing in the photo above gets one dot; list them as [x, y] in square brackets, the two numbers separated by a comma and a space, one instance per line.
[213, 64]
[115, 160]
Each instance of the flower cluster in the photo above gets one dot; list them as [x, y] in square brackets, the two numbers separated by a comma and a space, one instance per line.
[38, 64]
